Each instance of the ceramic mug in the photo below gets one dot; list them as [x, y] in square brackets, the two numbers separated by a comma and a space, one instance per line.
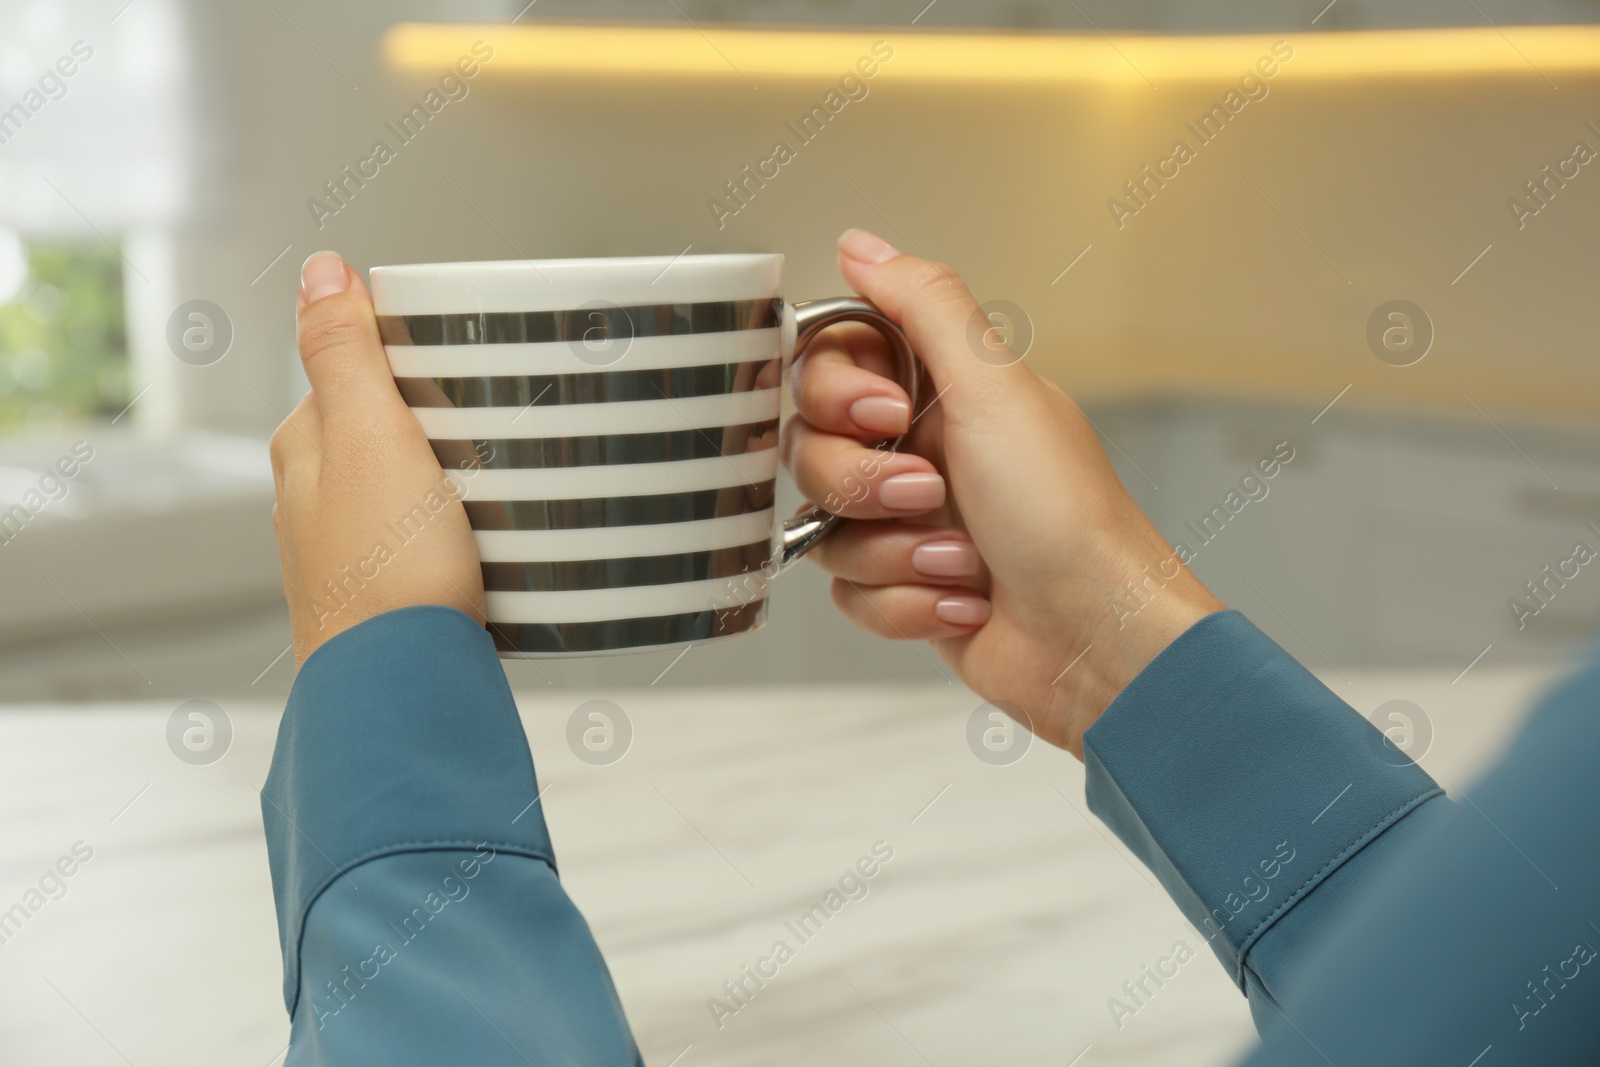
[612, 425]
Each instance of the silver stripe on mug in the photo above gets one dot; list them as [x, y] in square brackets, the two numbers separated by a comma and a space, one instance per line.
[621, 634]
[625, 572]
[550, 452]
[601, 320]
[545, 390]
[620, 510]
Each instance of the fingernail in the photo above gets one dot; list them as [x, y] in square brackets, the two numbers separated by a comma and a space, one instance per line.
[912, 492]
[323, 275]
[963, 610]
[866, 247]
[883, 414]
[945, 559]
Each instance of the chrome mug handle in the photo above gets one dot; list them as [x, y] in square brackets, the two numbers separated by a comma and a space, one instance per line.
[811, 317]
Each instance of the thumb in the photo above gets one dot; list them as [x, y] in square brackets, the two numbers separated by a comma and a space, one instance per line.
[947, 328]
[339, 342]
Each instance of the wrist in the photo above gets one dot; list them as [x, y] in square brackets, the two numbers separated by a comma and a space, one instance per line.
[1140, 612]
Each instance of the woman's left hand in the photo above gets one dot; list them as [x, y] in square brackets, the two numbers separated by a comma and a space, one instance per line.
[366, 519]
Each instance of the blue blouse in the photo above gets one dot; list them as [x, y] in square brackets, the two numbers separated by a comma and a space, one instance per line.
[1368, 919]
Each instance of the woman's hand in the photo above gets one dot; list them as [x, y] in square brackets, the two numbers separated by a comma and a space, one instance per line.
[999, 532]
[366, 519]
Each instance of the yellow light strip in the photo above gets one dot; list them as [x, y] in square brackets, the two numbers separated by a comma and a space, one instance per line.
[614, 51]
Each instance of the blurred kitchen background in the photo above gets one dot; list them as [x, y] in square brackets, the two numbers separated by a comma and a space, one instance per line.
[1383, 257]
[1199, 329]
[1222, 316]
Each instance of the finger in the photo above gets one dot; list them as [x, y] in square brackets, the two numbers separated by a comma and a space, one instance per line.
[836, 394]
[911, 612]
[339, 342]
[941, 318]
[866, 345]
[894, 553]
[850, 479]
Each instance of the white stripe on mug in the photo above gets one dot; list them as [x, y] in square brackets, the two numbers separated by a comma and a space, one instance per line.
[555, 357]
[612, 542]
[628, 479]
[599, 605]
[667, 415]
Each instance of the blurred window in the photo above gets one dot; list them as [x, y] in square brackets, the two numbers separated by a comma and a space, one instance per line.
[96, 148]
[63, 338]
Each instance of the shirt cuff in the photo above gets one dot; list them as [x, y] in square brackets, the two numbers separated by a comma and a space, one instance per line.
[400, 735]
[1241, 781]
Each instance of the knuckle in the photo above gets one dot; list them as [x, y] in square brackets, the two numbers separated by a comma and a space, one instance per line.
[925, 275]
[935, 283]
[852, 601]
[278, 446]
[328, 332]
[789, 443]
[796, 374]
[848, 600]
[932, 274]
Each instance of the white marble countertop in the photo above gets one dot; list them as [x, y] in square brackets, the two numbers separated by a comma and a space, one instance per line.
[998, 932]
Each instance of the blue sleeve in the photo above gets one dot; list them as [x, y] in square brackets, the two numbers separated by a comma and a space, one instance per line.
[1481, 946]
[1262, 802]
[419, 909]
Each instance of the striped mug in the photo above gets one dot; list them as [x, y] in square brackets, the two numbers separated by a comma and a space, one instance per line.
[612, 425]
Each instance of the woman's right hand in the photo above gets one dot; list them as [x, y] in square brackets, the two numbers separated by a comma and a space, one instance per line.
[999, 532]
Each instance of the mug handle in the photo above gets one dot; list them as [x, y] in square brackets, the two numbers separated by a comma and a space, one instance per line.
[811, 317]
